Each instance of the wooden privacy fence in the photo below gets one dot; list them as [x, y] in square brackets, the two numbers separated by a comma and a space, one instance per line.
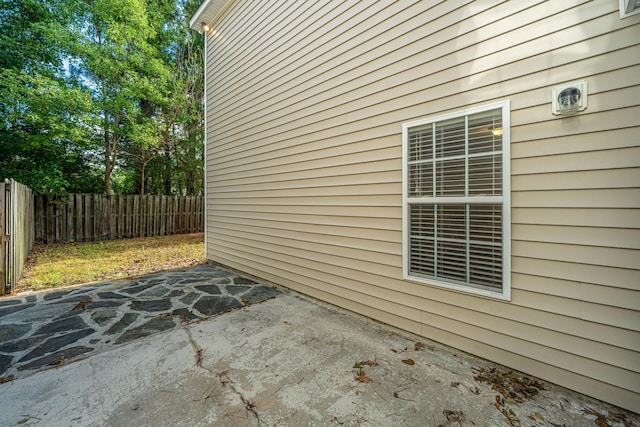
[16, 232]
[89, 217]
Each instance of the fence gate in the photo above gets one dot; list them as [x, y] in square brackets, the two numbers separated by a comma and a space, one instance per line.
[4, 276]
[16, 232]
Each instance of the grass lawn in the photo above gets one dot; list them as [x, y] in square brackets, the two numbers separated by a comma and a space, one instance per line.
[51, 266]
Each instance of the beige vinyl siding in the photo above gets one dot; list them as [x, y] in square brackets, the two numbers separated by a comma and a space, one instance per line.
[305, 106]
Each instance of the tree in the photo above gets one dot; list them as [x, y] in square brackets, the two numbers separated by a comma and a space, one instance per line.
[44, 125]
[182, 130]
[44, 136]
[101, 87]
[139, 150]
[114, 51]
[174, 164]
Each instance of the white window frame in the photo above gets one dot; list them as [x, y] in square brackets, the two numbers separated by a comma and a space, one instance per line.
[628, 8]
[505, 199]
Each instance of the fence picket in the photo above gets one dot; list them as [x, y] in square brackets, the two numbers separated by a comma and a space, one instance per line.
[77, 219]
[70, 236]
[89, 217]
[58, 220]
[163, 219]
[119, 218]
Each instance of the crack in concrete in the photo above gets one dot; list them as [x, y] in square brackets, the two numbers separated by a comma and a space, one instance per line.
[199, 351]
[224, 377]
[248, 404]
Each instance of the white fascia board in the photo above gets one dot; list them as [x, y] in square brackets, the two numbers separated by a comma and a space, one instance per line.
[207, 11]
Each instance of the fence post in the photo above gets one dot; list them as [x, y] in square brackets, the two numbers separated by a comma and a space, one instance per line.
[9, 219]
[4, 230]
[17, 231]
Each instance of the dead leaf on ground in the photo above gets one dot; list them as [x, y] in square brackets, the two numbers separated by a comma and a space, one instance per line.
[454, 416]
[409, 362]
[58, 361]
[509, 384]
[360, 365]
[511, 416]
[419, 346]
[617, 417]
[601, 420]
[454, 384]
[286, 323]
[7, 378]
[82, 305]
[363, 378]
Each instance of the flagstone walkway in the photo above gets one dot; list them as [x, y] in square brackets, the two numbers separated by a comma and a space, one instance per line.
[49, 328]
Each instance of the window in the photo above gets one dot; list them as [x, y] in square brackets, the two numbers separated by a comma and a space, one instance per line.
[629, 7]
[456, 206]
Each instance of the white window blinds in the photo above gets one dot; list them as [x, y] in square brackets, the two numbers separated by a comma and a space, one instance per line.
[455, 200]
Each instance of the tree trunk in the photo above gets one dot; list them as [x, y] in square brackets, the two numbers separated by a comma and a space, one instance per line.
[108, 168]
[109, 161]
[167, 173]
[142, 177]
[107, 183]
[191, 181]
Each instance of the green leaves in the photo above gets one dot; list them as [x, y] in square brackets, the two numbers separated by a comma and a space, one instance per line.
[115, 48]
[43, 131]
[45, 117]
[101, 85]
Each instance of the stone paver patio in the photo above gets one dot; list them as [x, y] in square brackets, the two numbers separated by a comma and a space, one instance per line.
[45, 329]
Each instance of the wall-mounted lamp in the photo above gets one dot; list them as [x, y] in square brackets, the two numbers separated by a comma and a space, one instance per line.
[204, 27]
[569, 98]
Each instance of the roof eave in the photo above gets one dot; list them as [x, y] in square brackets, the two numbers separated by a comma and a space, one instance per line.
[207, 12]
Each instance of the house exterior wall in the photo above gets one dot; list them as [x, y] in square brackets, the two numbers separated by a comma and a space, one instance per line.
[305, 106]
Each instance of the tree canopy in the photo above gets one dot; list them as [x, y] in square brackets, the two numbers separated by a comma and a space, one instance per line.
[101, 96]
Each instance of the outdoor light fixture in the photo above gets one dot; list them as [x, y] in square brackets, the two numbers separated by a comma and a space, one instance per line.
[569, 98]
[205, 27]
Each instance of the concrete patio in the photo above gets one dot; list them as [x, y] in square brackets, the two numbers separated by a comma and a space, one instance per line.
[240, 353]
